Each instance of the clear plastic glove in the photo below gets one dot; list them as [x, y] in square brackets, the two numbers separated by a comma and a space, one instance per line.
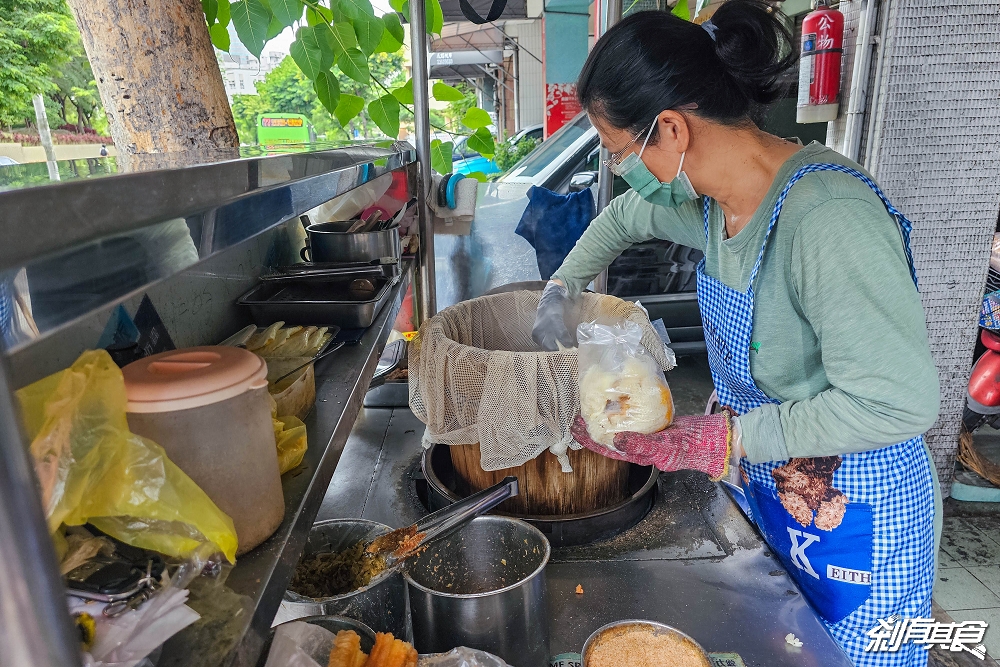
[691, 443]
[550, 323]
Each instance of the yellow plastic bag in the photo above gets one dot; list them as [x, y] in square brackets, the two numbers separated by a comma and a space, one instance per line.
[290, 434]
[93, 469]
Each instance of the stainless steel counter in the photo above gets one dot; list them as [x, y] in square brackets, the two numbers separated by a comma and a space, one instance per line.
[694, 562]
[236, 617]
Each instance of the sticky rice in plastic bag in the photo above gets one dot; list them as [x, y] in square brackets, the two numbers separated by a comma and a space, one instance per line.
[622, 388]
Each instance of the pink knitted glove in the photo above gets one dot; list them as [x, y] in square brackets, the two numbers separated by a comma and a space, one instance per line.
[690, 443]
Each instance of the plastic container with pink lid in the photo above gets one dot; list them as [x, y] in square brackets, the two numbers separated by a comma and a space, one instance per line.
[208, 408]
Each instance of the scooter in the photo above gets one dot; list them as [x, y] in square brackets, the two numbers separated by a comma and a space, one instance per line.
[982, 404]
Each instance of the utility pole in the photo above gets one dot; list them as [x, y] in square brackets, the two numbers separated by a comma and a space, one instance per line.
[42, 121]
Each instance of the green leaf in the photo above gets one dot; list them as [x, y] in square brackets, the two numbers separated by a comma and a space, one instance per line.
[354, 9]
[311, 52]
[392, 38]
[444, 93]
[441, 156]
[384, 112]
[404, 93]
[220, 36]
[341, 37]
[397, 5]
[211, 9]
[354, 64]
[327, 90]
[479, 176]
[481, 141]
[274, 28]
[681, 10]
[476, 118]
[349, 107]
[369, 31]
[251, 18]
[286, 11]
[435, 17]
[338, 12]
[223, 17]
[318, 17]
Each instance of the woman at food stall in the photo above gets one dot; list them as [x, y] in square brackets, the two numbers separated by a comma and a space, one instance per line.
[815, 332]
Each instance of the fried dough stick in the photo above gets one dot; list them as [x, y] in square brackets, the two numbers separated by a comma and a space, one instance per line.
[346, 651]
[391, 652]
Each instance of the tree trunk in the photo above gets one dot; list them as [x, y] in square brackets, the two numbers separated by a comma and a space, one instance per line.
[158, 77]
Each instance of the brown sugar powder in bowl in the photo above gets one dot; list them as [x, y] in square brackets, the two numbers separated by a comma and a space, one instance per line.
[638, 645]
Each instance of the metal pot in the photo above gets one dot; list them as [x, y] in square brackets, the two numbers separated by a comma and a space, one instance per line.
[382, 604]
[657, 628]
[483, 587]
[330, 242]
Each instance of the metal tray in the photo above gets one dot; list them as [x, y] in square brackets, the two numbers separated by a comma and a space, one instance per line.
[316, 303]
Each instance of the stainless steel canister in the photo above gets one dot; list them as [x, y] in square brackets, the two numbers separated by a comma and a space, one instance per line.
[381, 605]
[330, 242]
[483, 587]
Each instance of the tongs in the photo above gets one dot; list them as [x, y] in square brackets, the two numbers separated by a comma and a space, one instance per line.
[330, 270]
[400, 544]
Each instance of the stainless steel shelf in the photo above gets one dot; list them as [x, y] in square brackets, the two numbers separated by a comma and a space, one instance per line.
[263, 574]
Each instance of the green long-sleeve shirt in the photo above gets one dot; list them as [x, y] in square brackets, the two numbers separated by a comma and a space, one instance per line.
[839, 336]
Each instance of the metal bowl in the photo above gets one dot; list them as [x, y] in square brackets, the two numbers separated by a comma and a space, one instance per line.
[658, 628]
[381, 604]
[332, 623]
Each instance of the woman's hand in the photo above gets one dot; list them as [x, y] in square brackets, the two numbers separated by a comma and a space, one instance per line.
[550, 322]
[690, 443]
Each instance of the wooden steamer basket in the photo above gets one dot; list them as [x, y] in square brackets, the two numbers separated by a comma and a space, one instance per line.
[545, 490]
[454, 374]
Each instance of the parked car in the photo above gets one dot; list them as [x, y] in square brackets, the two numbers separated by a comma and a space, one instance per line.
[466, 161]
[7, 161]
[658, 274]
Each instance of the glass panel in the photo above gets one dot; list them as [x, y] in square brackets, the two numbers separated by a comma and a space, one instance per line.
[550, 149]
[91, 245]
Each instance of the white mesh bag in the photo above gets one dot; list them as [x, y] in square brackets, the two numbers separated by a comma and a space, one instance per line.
[476, 376]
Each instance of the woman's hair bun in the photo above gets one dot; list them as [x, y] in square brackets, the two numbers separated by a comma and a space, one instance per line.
[653, 60]
[755, 47]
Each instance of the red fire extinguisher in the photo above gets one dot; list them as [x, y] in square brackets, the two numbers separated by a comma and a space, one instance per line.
[819, 65]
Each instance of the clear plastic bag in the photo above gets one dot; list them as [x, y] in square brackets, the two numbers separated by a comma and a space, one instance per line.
[126, 639]
[622, 388]
[92, 469]
[462, 657]
[300, 644]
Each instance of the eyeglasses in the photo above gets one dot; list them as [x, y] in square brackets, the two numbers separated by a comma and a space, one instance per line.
[614, 161]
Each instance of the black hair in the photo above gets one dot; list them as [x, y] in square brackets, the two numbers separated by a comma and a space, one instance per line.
[653, 60]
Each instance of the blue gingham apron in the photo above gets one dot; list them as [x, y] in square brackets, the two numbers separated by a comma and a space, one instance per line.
[871, 555]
